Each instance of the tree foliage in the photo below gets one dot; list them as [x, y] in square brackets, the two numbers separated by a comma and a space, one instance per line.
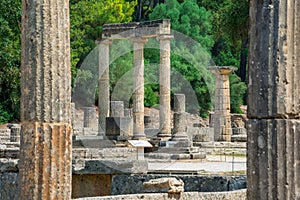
[220, 26]
[87, 18]
[10, 31]
[187, 57]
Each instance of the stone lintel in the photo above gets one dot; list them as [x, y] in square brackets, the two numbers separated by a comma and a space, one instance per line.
[136, 29]
[139, 40]
[165, 37]
[105, 41]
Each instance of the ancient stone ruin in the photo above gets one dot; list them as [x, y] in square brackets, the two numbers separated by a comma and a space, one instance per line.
[37, 160]
[274, 101]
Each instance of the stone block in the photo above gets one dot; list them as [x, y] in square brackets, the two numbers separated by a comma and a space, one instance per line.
[161, 185]
[119, 126]
[90, 119]
[91, 185]
[180, 156]
[8, 165]
[201, 155]
[117, 109]
[15, 134]
[109, 166]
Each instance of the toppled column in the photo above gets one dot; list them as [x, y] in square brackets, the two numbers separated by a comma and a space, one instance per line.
[46, 144]
[103, 99]
[273, 143]
[138, 88]
[180, 121]
[222, 119]
[165, 88]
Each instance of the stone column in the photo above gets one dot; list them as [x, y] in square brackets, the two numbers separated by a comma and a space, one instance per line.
[164, 88]
[138, 88]
[46, 144]
[273, 143]
[222, 120]
[103, 98]
[180, 121]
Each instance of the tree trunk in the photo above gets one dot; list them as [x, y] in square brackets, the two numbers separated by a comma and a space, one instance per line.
[243, 60]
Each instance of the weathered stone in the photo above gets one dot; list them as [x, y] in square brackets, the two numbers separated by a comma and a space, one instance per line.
[119, 126]
[8, 165]
[11, 153]
[180, 126]
[273, 158]
[103, 84]
[147, 121]
[127, 112]
[201, 155]
[91, 185]
[122, 183]
[239, 138]
[274, 101]
[222, 120]
[109, 166]
[9, 186]
[90, 118]
[181, 156]
[138, 88]
[169, 185]
[116, 109]
[5, 135]
[179, 103]
[136, 29]
[164, 88]
[45, 152]
[240, 194]
[274, 85]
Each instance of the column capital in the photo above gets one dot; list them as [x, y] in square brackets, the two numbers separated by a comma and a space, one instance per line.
[165, 37]
[139, 40]
[104, 41]
[224, 70]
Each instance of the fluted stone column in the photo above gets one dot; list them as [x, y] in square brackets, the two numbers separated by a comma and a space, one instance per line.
[103, 98]
[46, 145]
[222, 120]
[138, 88]
[180, 118]
[165, 88]
[273, 143]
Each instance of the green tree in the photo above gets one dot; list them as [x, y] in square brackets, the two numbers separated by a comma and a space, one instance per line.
[87, 18]
[10, 31]
[231, 26]
[187, 58]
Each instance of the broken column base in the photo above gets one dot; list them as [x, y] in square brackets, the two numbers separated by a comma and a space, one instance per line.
[119, 128]
[162, 136]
